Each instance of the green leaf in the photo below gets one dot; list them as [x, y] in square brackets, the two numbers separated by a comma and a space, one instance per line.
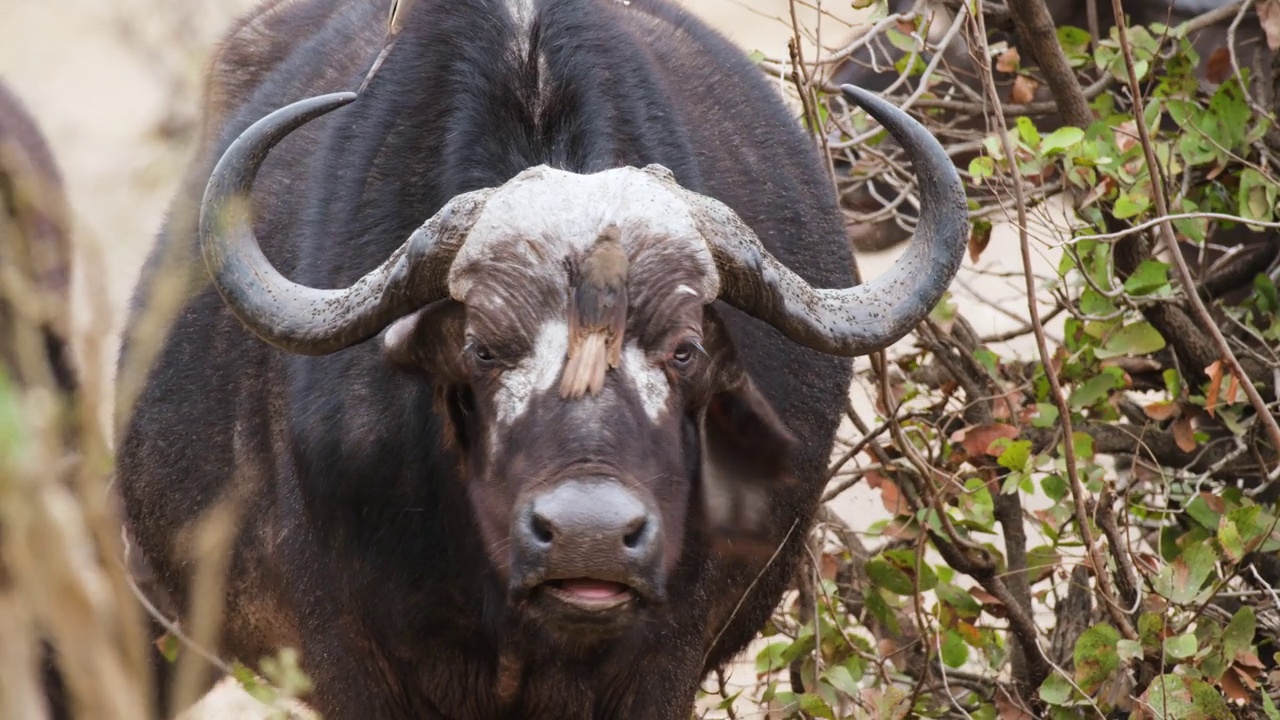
[1237, 636]
[1054, 487]
[769, 659]
[841, 679]
[1257, 197]
[1056, 689]
[1062, 139]
[1130, 204]
[1015, 454]
[981, 168]
[1181, 580]
[1082, 443]
[959, 600]
[905, 560]
[1095, 388]
[756, 57]
[1270, 707]
[1150, 627]
[1151, 275]
[1198, 509]
[1075, 43]
[1180, 647]
[1232, 543]
[1096, 657]
[888, 576]
[1095, 303]
[1128, 650]
[816, 706]
[1046, 415]
[1179, 697]
[955, 651]
[1027, 131]
[169, 646]
[1139, 338]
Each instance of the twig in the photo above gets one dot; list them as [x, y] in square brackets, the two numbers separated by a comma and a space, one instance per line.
[1046, 357]
[1037, 34]
[1171, 244]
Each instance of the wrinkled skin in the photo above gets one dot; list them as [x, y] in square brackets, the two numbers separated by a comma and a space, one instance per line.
[384, 484]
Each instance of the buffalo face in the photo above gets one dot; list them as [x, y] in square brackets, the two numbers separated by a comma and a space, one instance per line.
[589, 388]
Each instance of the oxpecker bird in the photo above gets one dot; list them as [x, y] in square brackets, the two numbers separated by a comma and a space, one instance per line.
[597, 315]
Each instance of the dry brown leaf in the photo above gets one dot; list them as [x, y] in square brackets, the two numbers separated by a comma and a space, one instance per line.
[1269, 19]
[1184, 435]
[1234, 689]
[1126, 135]
[1218, 67]
[1214, 372]
[1008, 61]
[1161, 411]
[979, 238]
[830, 566]
[1007, 708]
[976, 439]
[1215, 503]
[1247, 661]
[890, 496]
[1146, 563]
[1024, 89]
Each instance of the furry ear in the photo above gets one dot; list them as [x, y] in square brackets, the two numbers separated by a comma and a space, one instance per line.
[746, 466]
[429, 339]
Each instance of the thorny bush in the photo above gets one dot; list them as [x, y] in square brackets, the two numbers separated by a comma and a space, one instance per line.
[1088, 531]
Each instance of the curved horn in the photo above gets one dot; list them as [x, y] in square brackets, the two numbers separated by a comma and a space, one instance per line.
[295, 317]
[864, 318]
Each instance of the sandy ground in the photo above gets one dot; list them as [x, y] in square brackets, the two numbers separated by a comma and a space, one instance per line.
[114, 83]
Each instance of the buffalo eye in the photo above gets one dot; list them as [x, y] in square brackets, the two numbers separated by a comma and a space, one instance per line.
[483, 357]
[685, 353]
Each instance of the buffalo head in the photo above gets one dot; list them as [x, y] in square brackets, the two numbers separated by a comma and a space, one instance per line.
[567, 323]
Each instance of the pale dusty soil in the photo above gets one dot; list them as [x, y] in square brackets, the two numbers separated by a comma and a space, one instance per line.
[104, 76]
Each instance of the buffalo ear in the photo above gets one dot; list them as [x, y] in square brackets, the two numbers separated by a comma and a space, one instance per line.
[429, 339]
[746, 467]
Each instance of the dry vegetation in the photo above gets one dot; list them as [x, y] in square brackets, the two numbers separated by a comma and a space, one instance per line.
[1002, 572]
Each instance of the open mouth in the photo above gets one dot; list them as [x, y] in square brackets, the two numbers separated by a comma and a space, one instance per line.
[589, 593]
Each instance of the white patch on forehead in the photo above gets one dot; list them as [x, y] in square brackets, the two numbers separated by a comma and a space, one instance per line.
[650, 383]
[543, 216]
[533, 375]
[686, 290]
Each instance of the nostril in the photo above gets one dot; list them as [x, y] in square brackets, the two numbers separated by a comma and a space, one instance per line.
[542, 530]
[635, 533]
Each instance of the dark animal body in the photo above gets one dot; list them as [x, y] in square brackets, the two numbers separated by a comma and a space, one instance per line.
[872, 67]
[35, 249]
[34, 237]
[441, 525]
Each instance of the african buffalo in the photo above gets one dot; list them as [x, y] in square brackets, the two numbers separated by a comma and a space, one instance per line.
[872, 66]
[35, 262]
[34, 238]
[573, 472]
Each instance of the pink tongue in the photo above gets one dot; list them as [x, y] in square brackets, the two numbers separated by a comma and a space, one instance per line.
[591, 589]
